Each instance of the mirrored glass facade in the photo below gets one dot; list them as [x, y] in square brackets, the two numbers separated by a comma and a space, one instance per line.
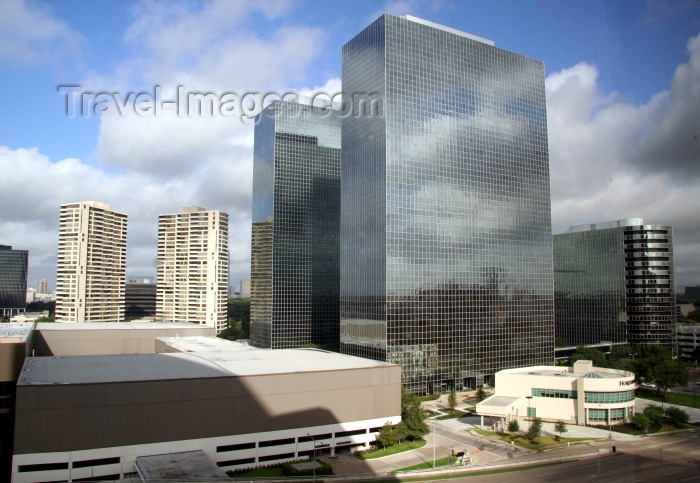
[614, 282]
[446, 246]
[589, 287]
[296, 227]
[13, 280]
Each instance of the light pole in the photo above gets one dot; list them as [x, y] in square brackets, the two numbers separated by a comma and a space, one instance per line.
[694, 395]
[528, 405]
[434, 438]
[609, 420]
[314, 442]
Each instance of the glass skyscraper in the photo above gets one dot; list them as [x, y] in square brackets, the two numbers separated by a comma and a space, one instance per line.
[296, 227]
[446, 256]
[614, 281]
[589, 287]
[13, 280]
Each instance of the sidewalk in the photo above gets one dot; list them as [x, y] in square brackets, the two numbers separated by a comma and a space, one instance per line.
[694, 413]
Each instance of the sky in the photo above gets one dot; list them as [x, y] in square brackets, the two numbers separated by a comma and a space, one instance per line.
[622, 84]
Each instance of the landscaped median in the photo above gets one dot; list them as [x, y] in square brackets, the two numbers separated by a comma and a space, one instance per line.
[393, 449]
[542, 442]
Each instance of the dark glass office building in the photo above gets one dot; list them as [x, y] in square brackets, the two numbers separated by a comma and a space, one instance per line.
[13, 280]
[589, 287]
[613, 281]
[295, 245]
[446, 242]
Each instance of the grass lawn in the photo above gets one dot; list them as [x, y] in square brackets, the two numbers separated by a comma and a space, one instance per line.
[474, 473]
[543, 441]
[397, 448]
[630, 429]
[429, 464]
[671, 397]
[453, 414]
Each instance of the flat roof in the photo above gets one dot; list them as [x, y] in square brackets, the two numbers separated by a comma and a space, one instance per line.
[15, 331]
[244, 360]
[500, 401]
[567, 372]
[185, 466]
[201, 357]
[58, 326]
[445, 28]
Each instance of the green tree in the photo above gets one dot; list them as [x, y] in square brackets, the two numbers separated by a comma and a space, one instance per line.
[480, 394]
[694, 316]
[239, 311]
[560, 427]
[669, 373]
[587, 354]
[513, 426]
[452, 400]
[535, 429]
[677, 415]
[648, 356]
[234, 331]
[388, 435]
[641, 422]
[412, 415]
[655, 415]
[559, 342]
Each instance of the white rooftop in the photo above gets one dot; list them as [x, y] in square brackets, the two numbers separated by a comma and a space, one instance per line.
[570, 372]
[201, 358]
[447, 29]
[15, 330]
[57, 326]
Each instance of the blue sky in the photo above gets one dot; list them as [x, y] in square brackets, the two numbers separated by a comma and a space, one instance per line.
[623, 91]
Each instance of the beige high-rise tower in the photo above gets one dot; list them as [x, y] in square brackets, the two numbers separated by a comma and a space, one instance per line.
[91, 268]
[193, 267]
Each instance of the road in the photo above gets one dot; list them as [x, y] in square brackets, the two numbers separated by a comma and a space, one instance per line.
[667, 459]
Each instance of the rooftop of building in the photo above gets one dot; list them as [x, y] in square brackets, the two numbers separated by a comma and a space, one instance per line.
[201, 357]
[448, 29]
[15, 331]
[580, 369]
[604, 225]
[45, 327]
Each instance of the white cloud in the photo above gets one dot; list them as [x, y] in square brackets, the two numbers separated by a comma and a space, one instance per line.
[29, 35]
[612, 160]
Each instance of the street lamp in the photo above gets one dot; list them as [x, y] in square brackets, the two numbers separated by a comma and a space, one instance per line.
[528, 405]
[608, 416]
[434, 438]
[314, 442]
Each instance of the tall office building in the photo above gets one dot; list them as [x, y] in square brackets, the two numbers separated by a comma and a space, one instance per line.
[296, 227]
[42, 286]
[91, 267]
[446, 258]
[613, 281]
[192, 275]
[13, 280]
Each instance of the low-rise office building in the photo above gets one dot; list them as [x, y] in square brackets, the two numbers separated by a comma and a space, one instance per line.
[15, 339]
[581, 395]
[243, 407]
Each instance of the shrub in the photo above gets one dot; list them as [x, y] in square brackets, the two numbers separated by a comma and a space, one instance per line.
[655, 415]
[641, 422]
[535, 430]
[677, 414]
[513, 426]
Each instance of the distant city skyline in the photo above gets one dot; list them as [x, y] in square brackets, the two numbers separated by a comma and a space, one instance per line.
[622, 97]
